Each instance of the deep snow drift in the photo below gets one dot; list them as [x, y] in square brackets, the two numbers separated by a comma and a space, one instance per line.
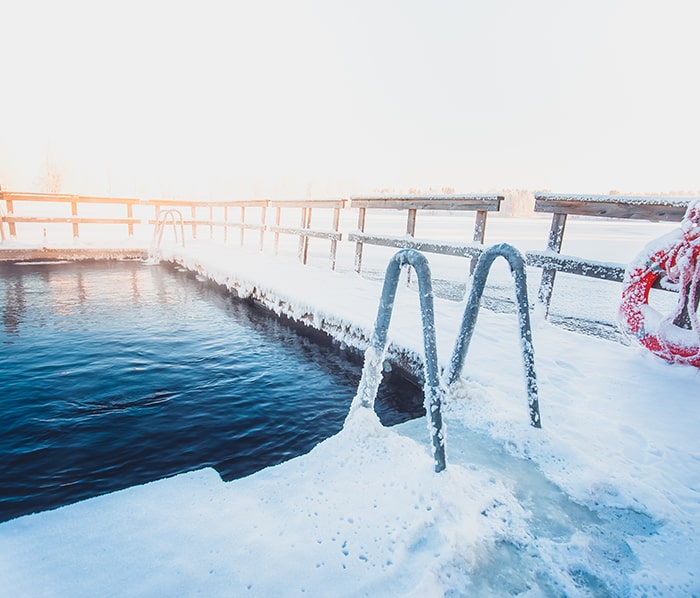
[603, 500]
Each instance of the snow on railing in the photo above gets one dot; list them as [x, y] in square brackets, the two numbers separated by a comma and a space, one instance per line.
[481, 204]
[304, 231]
[651, 208]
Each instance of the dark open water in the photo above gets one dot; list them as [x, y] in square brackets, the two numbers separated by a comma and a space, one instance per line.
[118, 373]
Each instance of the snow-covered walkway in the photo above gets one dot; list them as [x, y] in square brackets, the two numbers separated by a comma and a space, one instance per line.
[603, 500]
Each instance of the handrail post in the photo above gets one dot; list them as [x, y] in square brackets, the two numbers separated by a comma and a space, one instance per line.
[334, 242]
[10, 213]
[358, 244]
[74, 212]
[226, 224]
[479, 235]
[517, 268]
[554, 242]
[130, 215]
[374, 356]
[2, 223]
[263, 219]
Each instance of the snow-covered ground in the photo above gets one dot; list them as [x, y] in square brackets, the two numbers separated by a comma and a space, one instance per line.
[603, 500]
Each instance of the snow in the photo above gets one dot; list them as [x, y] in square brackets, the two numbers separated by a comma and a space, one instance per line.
[622, 199]
[604, 499]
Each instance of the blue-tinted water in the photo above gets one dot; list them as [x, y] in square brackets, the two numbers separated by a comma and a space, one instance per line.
[119, 373]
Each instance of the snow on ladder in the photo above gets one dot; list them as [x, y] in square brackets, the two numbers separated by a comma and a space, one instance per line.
[434, 389]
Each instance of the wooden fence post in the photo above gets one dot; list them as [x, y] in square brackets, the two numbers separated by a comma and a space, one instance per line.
[358, 244]
[556, 236]
[193, 211]
[74, 212]
[479, 235]
[262, 229]
[334, 242]
[304, 239]
[130, 214]
[278, 219]
[10, 212]
[225, 224]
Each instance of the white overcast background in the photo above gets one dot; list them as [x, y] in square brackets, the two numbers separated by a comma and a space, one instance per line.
[310, 99]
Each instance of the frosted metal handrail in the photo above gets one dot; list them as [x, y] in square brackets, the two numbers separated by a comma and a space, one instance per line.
[174, 217]
[374, 357]
[517, 269]
[433, 389]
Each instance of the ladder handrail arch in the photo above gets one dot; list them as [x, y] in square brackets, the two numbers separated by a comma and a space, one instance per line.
[170, 216]
[517, 268]
[433, 388]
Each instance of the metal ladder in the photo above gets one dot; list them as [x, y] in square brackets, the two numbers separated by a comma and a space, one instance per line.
[173, 217]
[434, 388]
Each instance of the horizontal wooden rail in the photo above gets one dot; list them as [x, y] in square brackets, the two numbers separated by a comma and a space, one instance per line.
[490, 203]
[64, 198]
[306, 232]
[442, 247]
[481, 204]
[69, 220]
[651, 208]
[252, 203]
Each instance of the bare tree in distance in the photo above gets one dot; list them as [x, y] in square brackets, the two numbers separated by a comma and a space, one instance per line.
[50, 178]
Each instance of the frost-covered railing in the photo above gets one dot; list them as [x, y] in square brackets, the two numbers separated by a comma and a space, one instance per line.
[218, 217]
[305, 231]
[552, 261]
[433, 387]
[481, 204]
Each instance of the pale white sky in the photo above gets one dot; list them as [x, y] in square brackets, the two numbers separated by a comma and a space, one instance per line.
[303, 98]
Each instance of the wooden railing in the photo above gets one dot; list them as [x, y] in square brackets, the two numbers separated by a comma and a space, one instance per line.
[215, 217]
[75, 220]
[218, 218]
[304, 231]
[551, 261]
[219, 214]
[481, 204]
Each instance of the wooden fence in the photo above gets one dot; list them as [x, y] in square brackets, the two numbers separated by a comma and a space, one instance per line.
[650, 208]
[481, 204]
[74, 201]
[215, 217]
[223, 216]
